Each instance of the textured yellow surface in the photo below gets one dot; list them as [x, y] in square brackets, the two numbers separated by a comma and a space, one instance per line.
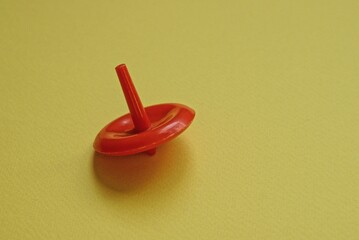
[273, 151]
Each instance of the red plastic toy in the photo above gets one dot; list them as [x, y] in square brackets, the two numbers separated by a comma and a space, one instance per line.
[143, 129]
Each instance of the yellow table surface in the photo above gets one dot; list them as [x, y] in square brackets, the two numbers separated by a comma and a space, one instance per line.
[273, 152]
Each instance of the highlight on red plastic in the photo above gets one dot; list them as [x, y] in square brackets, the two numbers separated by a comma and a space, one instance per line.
[143, 129]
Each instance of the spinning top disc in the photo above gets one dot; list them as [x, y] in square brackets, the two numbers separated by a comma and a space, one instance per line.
[143, 129]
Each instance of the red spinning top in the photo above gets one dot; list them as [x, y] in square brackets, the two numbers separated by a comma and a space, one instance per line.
[143, 129]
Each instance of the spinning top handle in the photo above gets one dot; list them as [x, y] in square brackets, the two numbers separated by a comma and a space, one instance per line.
[138, 114]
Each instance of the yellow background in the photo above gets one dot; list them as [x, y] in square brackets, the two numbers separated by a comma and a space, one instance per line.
[273, 150]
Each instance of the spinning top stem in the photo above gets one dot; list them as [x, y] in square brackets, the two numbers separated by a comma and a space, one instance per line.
[138, 114]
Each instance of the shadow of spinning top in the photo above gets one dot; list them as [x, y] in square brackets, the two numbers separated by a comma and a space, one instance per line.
[143, 129]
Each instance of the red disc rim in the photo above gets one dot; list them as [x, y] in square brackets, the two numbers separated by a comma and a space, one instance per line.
[118, 138]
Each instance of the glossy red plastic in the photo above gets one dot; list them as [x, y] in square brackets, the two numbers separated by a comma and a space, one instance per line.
[143, 129]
